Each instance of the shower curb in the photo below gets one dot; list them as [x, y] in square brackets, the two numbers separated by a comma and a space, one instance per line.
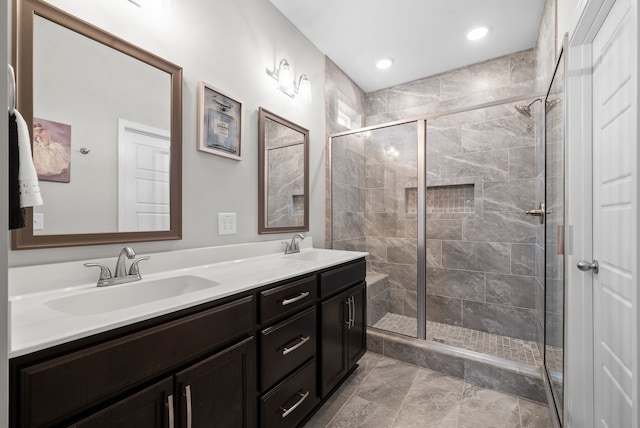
[488, 372]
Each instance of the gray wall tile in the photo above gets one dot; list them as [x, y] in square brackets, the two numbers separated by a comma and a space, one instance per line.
[498, 319]
[444, 310]
[476, 256]
[511, 290]
[456, 283]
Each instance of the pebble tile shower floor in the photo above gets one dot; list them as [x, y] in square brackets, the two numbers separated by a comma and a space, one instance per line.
[518, 350]
[387, 393]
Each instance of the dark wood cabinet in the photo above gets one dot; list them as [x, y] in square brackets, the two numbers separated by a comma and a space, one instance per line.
[265, 357]
[357, 332]
[145, 409]
[220, 390]
[343, 335]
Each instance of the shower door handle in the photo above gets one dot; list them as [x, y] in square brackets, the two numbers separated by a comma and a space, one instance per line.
[540, 212]
[587, 266]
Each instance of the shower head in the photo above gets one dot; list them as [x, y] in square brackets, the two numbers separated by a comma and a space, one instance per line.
[526, 109]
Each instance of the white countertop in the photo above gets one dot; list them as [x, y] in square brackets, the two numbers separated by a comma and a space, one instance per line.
[35, 326]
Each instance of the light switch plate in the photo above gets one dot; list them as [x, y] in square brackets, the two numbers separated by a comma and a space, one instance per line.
[38, 221]
[226, 223]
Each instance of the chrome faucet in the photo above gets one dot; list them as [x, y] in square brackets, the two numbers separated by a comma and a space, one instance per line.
[121, 276]
[294, 246]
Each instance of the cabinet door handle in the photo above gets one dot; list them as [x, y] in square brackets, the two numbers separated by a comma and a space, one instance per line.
[287, 412]
[189, 413]
[291, 300]
[352, 302]
[170, 406]
[349, 315]
[301, 341]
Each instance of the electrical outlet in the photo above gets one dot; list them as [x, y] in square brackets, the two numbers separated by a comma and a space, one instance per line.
[226, 223]
[38, 221]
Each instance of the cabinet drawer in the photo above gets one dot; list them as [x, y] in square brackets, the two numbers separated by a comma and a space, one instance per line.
[340, 278]
[287, 298]
[287, 345]
[292, 400]
[74, 382]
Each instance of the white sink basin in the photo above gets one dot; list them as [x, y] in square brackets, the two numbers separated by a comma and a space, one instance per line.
[100, 300]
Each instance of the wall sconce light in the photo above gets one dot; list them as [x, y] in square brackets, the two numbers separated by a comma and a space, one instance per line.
[286, 82]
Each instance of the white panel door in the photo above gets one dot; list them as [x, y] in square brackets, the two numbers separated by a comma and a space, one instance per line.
[143, 174]
[615, 218]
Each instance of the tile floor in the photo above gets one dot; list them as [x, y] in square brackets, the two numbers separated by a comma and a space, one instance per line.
[518, 350]
[386, 393]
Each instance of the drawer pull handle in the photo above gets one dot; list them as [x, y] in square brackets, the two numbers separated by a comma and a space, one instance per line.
[189, 412]
[301, 342]
[287, 412]
[170, 406]
[300, 296]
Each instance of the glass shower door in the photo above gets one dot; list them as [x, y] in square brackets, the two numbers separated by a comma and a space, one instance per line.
[554, 233]
[375, 209]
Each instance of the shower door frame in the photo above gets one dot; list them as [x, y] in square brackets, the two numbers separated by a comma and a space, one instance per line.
[421, 141]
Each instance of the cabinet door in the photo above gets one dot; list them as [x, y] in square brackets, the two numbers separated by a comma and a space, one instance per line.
[356, 333]
[219, 391]
[333, 356]
[145, 409]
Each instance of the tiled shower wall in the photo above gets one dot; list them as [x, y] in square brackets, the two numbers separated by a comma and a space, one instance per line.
[480, 260]
[481, 263]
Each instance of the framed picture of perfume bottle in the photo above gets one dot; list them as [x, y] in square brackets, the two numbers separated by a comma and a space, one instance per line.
[219, 122]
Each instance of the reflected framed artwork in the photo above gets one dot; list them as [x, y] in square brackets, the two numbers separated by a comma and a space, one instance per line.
[52, 150]
[219, 122]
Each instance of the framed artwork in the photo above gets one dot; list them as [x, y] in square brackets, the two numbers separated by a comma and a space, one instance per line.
[219, 122]
[52, 150]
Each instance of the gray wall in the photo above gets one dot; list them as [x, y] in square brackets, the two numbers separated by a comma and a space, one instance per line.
[229, 45]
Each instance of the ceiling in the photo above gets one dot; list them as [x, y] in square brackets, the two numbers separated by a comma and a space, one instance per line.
[424, 37]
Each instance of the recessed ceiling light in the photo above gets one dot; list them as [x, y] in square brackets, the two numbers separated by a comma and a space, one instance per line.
[384, 63]
[477, 33]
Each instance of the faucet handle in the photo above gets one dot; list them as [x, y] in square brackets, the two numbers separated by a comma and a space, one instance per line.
[133, 269]
[105, 273]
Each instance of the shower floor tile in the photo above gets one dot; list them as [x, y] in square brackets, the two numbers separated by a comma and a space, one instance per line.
[518, 350]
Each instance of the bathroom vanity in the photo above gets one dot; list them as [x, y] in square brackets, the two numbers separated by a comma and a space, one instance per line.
[267, 355]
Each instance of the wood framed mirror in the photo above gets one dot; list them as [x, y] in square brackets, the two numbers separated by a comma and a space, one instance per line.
[283, 175]
[117, 111]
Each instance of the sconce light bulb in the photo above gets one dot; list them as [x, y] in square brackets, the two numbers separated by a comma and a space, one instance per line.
[304, 90]
[285, 77]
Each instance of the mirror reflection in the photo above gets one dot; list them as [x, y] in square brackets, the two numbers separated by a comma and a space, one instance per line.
[106, 118]
[283, 175]
[89, 96]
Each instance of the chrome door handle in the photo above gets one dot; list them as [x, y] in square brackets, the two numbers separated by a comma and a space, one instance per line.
[348, 323]
[302, 341]
[587, 266]
[189, 410]
[300, 296]
[352, 299]
[170, 405]
[540, 212]
[287, 412]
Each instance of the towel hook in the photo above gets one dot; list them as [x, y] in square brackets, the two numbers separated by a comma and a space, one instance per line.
[12, 89]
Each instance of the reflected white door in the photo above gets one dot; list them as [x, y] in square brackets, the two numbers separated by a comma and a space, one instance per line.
[143, 178]
[615, 218]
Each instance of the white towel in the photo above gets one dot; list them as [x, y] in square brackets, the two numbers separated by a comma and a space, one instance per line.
[27, 176]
